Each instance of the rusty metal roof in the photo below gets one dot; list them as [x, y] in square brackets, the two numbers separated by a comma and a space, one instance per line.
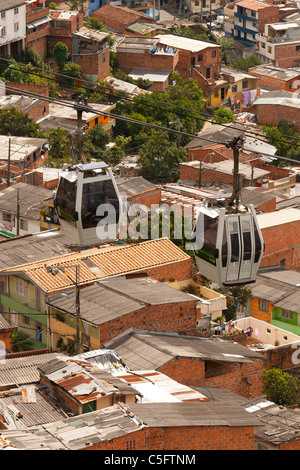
[101, 263]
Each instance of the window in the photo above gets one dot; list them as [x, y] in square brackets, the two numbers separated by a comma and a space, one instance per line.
[269, 331]
[263, 305]
[286, 314]
[200, 57]
[16, 11]
[130, 445]
[213, 53]
[6, 217]
[3, 31]
[234, 88]
[21, 287]
[208, 73]
[192, 61]
[26, 320]
[297, 48]
[253, 13]
[245, 83]
[3, 14]
[285, 338]
[24, 224]
[16, 27]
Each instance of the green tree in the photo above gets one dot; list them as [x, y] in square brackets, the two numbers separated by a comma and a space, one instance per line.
[223, 116]
[71, 70]
[59, 143]
[60, 52]
[281, 387]
[159, 158]
[95, 141]
[76, 4]
[247, 63]
[286, 140]
[236, 296]
[21, 341]
[16, 123]
[227, 46]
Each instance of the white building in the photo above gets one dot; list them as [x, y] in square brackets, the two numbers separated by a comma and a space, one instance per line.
[12, 26]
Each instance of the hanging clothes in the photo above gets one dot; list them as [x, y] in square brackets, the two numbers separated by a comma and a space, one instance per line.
[246, 97]
[253, 94]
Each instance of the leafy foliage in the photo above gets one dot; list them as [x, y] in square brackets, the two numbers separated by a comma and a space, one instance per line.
[60, 52]
[247, 63]
[14, 122]
[60, 152]
[280, 387]
[285, 139]
[223, 116]
[236, 295]
[159, 158]
[21, 341]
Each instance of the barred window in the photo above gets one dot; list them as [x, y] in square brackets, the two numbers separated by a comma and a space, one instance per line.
[263, 305]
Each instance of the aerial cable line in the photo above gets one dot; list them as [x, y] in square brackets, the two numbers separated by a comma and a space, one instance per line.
[142, 123]
[142, 97]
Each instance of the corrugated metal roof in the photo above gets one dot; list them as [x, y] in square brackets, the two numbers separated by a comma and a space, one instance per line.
[32, 414]
[113, 261]
[23, 370]
[151, 350]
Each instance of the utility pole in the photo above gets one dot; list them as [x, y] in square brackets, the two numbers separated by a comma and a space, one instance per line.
[80, 106]
[8, 162]
[235, 144]
[18, 213]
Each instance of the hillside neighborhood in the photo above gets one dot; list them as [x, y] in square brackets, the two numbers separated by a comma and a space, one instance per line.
[150, 227]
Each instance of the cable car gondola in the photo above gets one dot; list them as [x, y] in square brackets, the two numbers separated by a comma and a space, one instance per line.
[227, 241]
[81, 190]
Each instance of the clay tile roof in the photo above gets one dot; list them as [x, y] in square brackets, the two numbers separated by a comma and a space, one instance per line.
[122, 14]
[253, 4]
[101, 263]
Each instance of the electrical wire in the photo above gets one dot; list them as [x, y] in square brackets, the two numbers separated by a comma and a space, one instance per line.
[142, 98]
[142, 123]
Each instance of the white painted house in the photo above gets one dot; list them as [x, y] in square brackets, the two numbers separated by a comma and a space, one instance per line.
[12, 26]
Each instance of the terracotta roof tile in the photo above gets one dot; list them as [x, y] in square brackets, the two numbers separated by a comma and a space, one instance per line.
[122, 14]
[101, 263]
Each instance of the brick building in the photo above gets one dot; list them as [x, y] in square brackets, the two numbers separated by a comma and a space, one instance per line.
[129, 303]
[119, 18]
[90, 50]
[37, 27]
[155, 427]
[198, 60]
[281, 235]
[142, 56]
[28, 291]
[62, 26]
[279, 44]
[193, 361]
[201, 173]
[250, 18]
[273, 106]
[277, 78]
[137, 190]
[6, 329]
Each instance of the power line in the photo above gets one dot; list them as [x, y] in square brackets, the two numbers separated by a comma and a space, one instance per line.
[142, 123]
[94, 88]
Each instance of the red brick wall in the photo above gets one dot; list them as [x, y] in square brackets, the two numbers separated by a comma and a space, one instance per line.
[147, 198]
[267, 15]
[272, 114]
[168, 317]
[128, 61]
[286, 55]
[199, 72]
[184, 438]
[272, 82]
[94, 64]
[191, 372]
[281, 242]
[5, 336]
[208, 176]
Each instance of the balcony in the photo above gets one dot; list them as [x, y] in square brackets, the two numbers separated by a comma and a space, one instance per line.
[245, 17]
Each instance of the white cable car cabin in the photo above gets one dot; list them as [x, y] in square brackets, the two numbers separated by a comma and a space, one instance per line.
[227, 241]
[81, 190]
[230, 245]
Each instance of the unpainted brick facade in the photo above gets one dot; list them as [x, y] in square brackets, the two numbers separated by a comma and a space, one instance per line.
[243, 379]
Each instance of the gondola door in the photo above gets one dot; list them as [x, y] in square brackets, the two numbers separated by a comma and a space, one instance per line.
[234, 248]
[248, 247]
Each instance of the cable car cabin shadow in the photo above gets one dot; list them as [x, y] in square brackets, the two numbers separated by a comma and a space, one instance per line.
[82, 192]
[228, 246]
